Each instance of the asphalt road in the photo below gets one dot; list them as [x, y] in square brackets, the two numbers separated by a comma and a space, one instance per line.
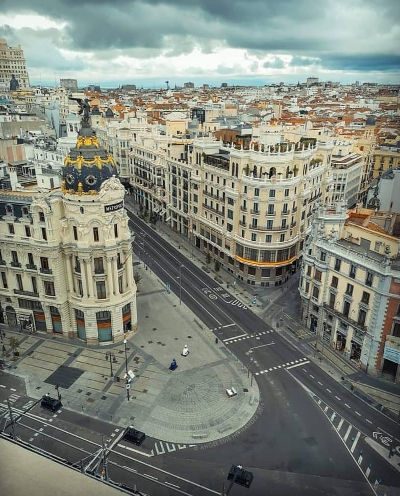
[310, 436]
[292, 435]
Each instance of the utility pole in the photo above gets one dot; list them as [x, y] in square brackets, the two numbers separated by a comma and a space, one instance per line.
[127, 385]
[12, 419]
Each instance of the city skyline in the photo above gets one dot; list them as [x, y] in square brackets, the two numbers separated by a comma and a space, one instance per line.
[260, 43]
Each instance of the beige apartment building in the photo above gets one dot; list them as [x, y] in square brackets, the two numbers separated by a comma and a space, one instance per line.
[12, 62]
[249, 209]
[350, 286]
[66, 255]
[383, 159]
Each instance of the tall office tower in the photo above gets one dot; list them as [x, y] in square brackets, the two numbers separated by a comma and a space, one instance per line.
[12, 67]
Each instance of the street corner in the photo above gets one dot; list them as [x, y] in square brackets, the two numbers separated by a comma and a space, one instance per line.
[195, 406]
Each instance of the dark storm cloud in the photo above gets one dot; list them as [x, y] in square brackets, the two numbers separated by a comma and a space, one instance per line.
[306, 29]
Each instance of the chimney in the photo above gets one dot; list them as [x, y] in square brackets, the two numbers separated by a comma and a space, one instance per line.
[13, 177]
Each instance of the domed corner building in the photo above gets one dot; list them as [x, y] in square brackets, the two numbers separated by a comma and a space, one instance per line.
[97, 269]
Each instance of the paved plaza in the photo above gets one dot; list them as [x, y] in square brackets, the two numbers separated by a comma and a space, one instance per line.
[188, 405]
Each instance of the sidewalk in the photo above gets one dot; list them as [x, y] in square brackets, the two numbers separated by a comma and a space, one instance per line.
[280, 306]
[189, 405]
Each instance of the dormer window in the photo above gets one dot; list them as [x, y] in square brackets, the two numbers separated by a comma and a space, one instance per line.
[9, 209]
[25, 211]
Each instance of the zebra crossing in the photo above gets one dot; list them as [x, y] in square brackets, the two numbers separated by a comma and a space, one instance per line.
[162, 447]
[352, 438]
[246, 336]
[287, 365]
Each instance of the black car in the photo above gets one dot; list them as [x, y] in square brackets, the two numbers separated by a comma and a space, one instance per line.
[134, 436]
[49, 403]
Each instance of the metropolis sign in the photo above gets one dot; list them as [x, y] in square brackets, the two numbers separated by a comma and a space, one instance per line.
[114, 207]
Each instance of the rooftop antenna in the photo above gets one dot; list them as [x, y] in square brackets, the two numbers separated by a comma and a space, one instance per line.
[167, 83]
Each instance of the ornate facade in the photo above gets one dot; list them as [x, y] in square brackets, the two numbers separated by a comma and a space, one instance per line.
[66, 256]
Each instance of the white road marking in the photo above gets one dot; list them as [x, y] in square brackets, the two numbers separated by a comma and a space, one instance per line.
[234, 337]
[170, 484]
[150, 476]
[228, 325]
[348, 406]
[297, 365]
[353, 447]
[329, 391]
[333, 416]
[367, 472]
[135, 450]
[12, 389]
[312, 377]
[326, 409]
[367, 420]
[340, 425]
[2, 386]
[347, 433]
[357, 413]
[320, 383]
[360, 458]
[337, 397]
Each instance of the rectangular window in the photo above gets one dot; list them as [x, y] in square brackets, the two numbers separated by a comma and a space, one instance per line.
[253, 236]
[332, 299]
[41, 216]
[349, 289]
[309, 270]
[338, 263]
[272, 193]
[353, 270]
[346, 308]
[116, 230]
[77, 265]
[4, 280]
[120, 287]
[365, 298]
[369, 279]
[270, 224]
[256, 192]
[30, 259]
[27, 231]
[44, 233]
[323, 256]
[362, 315]
[265, 272]
[34, 285]
[80, 287]
[49, 288]
[14, 257]
[286, 192]
[271, 208]
[101, 290]
[285, 208]
[315, 292]
[11, 229]
[98, 265]
[44, 263]
[282, 237]
[268, 238]
[96, 234]
[75, 233]
[230, 214]
[317, 275]
[19, 282]
[334, 282]
[283, 224]
[395, 331]
[307, 287]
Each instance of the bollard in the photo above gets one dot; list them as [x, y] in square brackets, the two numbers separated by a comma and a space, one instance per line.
[216, 340]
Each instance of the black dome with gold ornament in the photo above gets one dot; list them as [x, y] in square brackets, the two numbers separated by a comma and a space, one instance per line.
[87, 165]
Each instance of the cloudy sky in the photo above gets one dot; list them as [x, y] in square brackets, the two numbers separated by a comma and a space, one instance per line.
[260, 41]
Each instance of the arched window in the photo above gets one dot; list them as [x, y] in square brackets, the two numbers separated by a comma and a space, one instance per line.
[272, 172]
[25, 211]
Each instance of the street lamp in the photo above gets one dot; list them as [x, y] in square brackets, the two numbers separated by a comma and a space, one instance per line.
[127, 385]
[111, 357]
[180, 283]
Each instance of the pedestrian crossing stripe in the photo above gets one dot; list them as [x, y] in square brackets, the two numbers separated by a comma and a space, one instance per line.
[300, 361]
[162, 447]
[234, 340]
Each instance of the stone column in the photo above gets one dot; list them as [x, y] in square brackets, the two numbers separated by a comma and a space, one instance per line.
[70, 274]
[129, 270]
[83, 277]
[90, 279]
[110, 277]
[349, 337]
[115, 275]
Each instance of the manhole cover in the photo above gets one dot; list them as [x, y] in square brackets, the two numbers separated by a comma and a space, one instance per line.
[79, 390]
[150, 342]
[245, 390]
[39, 387]
[189, 337]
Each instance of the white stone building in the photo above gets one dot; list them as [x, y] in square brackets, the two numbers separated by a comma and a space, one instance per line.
[66, 255]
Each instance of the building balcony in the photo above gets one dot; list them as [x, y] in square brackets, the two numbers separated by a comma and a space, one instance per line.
[243, 209]
[15, 264]
[261, 228]
[346, 318]
[26, 293]
[45, 271]
[255, 212]
[3, 262]
[31, 267]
